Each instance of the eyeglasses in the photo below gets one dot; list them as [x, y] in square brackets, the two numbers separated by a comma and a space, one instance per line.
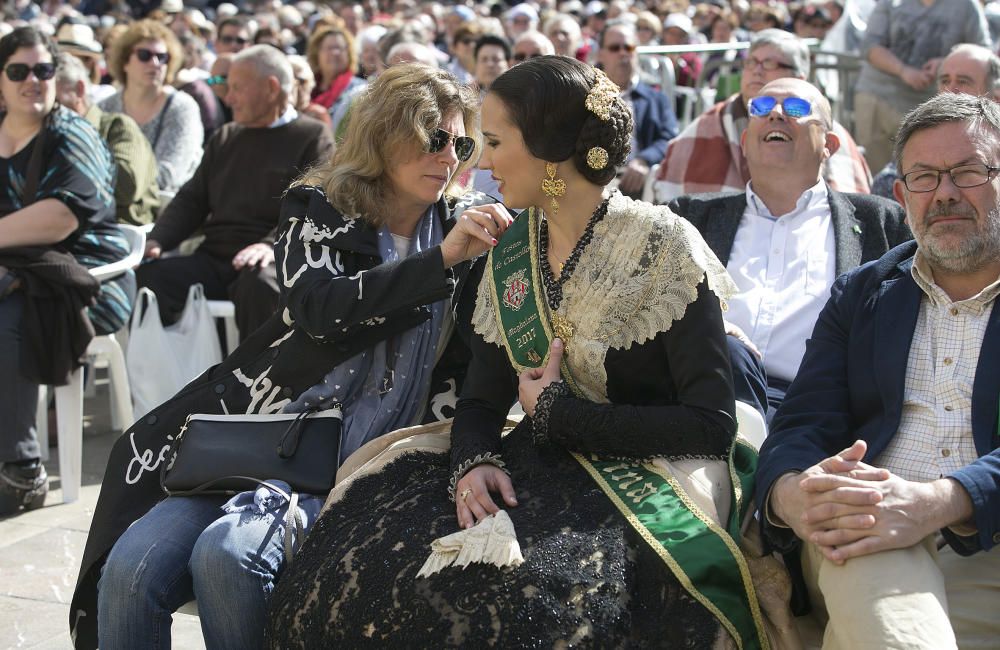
[233, 40]
[790, 106]
[146, 56]
[972, 175]
[521, 56]
[439, 139]
[769, 65]
[618, 47]
[216, 80]
[19, 71]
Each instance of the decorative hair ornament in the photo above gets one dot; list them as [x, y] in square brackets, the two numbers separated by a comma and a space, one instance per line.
[602, 96]
[553, 187]
[597, 158]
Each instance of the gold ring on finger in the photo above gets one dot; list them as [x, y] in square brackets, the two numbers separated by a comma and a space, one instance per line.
[464, 494]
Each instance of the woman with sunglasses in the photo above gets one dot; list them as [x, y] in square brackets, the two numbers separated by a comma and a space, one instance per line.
[372, 255]
[57, 216]
[144, 60]
[603, 316]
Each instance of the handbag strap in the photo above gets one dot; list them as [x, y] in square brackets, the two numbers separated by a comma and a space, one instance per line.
[162, 117]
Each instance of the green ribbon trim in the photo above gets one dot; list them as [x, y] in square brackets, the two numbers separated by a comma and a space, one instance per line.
[701, 554]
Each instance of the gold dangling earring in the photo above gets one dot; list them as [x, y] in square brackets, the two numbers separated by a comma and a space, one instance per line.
[553, 187]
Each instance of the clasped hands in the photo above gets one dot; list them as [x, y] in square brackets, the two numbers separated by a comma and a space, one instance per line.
[473, 501]
[849, 508]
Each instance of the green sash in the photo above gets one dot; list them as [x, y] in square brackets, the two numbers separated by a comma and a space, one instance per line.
[701, 554]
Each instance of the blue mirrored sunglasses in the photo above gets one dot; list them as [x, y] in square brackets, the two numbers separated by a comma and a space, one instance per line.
[790, 106]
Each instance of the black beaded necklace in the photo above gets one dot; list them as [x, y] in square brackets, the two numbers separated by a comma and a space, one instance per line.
[553, 285]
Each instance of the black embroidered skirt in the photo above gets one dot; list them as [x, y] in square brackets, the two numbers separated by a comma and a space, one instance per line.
[588, 580]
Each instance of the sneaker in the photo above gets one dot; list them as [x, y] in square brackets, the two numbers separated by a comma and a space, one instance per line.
[22, 487]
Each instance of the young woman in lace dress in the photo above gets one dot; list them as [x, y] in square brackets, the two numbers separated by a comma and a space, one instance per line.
[633, 399]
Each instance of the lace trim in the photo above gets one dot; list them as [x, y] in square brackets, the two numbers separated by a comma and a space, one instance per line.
[489, 458]
[635, 279]
[633, 282]
[642, 460]
[543, 407]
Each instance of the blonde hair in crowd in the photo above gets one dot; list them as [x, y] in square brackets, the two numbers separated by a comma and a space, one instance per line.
[389, 123]
[144, 30]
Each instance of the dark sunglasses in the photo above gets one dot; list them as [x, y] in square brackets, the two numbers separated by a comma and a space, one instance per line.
[618, 47]
[146, 56]
[791, 106]
[19, 71]
[216, 80]
[521, 56]
[439, 139]
[233, 40]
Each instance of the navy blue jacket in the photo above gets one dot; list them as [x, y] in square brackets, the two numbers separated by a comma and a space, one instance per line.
[655, 123]
[850, 386]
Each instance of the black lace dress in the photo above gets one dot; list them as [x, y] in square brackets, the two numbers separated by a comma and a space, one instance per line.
[588, 579]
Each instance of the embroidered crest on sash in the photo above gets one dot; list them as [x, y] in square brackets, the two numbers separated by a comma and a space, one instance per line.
[517, 290]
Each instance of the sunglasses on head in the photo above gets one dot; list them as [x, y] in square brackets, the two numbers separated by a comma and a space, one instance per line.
[791, 106]
[146, 56]
[19, 71]
[618, 47]
[233, 40]
[439, 139]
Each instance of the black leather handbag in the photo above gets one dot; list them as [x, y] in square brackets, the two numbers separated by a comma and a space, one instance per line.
[229, 454]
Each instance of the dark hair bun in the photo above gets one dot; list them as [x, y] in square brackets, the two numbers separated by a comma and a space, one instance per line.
[546, 100]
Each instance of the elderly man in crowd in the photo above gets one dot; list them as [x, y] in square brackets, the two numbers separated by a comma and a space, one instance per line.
[235, 195]
[787, 236]
[970, 69]
[707, 156]
[492, 60]
[902, 46]
[654, 122]
[136, 192]
[900, 550]
[529, 45]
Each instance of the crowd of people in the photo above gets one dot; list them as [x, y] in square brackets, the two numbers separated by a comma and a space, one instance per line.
[427, 213]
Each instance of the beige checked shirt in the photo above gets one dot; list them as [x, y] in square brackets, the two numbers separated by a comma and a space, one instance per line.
[935, 431]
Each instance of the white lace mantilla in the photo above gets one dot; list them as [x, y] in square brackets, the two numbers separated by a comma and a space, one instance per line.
[638, 275]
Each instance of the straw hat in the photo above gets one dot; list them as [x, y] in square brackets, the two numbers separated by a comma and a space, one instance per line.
[78, 39]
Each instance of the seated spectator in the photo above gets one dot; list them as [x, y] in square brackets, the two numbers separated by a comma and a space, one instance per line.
[334, 62]
[304, 84]
[368, 56]
[58, 219]
[763, 16]
[235, 195]
[235, 35]
[137, 196]
[144, 59]
[881, 472]
[529, 45]
[191, 79]
[492, 60]
[329, 346]
[788, 235]
[654, 121]
[567, 38]
[677, 30]
[463, 52]
[520, 19]
[970, 69]
[78, 40]
[217, 81]
[707, 155]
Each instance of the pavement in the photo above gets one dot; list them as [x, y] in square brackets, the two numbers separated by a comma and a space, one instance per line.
[41, 550]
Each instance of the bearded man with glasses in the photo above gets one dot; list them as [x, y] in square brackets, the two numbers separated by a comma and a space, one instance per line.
[881, 470]
[786, 237]
[707, 155]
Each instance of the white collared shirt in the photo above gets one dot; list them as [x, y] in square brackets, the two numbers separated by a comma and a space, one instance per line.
[784, 267]
[286, 117]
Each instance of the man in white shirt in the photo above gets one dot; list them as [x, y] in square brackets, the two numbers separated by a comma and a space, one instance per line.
[900, 551]
[787, 237]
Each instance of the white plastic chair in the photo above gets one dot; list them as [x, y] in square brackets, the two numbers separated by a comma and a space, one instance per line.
[69, 398]
[226, 310]
[751, 424]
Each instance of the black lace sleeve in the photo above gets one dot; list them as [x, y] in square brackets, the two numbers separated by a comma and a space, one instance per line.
[489, 392]
[702, 421]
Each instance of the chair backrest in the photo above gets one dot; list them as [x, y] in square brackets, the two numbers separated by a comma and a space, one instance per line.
[751, 424]
[136, 238]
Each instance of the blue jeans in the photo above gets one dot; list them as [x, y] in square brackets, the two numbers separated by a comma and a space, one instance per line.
[185, 548]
